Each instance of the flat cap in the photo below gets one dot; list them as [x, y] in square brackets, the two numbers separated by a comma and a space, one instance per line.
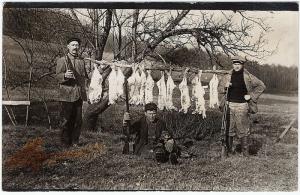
[151, 107]
[73, 39]
[239, 59]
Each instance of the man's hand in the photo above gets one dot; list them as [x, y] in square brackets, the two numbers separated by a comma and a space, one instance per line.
[69, 74]
[99, 68]
[247, 97]
[169, 145]
[228, 85]
[126, 118]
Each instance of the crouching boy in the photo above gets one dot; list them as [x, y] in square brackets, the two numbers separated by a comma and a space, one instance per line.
[152, 137]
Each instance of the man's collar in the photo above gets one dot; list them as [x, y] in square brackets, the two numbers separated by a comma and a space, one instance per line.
[231, 70]
[72, 57]
[239, 71]
[148, 122]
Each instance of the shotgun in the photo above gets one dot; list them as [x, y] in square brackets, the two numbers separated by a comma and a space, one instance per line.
[126, 127]
[225, 126]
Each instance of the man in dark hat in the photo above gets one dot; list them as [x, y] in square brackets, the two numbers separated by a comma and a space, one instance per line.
[71, 75]
[244, 90]
[152, 136]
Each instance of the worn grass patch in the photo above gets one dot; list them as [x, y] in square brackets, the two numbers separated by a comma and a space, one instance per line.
[33, 156]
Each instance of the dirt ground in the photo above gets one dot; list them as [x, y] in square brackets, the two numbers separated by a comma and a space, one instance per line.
[33, 159]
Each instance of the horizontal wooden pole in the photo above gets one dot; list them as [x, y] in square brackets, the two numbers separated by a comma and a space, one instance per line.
[16, 103]
[180, 69]
[103, 62]
[159, 67]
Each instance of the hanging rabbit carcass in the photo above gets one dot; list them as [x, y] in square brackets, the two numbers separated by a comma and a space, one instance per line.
[184, 94]
[149, 85]
[116, 81]
[198, 95]
[95, 88]
[169, 95]
[143, 87]
[213, 91]
[162, 92]
[134, 83]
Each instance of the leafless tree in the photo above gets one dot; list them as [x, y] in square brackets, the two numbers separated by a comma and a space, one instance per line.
[99, 32]
[223, 32]
[120, 18]
[212, 31]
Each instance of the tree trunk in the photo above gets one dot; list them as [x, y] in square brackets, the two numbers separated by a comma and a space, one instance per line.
[104, 35]
[134, 28]
[119, 43]
[118, 55]
[95, 30]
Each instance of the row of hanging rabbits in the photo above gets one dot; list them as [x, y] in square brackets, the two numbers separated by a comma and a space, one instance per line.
[141, 85]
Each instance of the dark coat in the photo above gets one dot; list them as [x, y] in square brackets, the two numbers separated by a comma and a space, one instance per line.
[71, 90]
[255, 88]
[140, 129]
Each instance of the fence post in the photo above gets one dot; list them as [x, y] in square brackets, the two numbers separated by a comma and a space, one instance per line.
[28, 97]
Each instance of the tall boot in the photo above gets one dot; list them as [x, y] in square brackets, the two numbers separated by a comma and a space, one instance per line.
[245, 146]
[230, 145]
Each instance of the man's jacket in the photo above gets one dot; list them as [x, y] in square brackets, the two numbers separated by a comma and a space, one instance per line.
[255, 88]
[140, 129]
[71, 90]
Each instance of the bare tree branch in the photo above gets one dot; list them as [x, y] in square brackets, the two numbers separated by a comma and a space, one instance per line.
[82, 27]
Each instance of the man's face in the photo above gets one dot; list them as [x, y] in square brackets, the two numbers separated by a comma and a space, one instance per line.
[73, 48]
[151, 115]
[237, 66]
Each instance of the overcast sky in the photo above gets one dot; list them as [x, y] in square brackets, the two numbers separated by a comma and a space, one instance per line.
[284, 35]
[285, 30]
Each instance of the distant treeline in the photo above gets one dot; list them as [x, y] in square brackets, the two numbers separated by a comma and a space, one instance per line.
[45, 25]
[277, 78]
[42, 23]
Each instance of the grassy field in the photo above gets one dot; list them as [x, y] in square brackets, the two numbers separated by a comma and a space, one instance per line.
[33, 158]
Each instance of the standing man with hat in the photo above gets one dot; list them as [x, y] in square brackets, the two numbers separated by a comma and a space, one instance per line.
[244, 90]
[71, 75]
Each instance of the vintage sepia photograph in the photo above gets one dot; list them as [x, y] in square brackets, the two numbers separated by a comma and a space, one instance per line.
[150, 96]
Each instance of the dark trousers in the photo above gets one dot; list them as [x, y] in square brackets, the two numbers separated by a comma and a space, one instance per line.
[91, 115]
[71, 115]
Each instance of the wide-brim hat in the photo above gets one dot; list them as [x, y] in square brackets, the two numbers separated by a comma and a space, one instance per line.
[69, 40]
[238, 59]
